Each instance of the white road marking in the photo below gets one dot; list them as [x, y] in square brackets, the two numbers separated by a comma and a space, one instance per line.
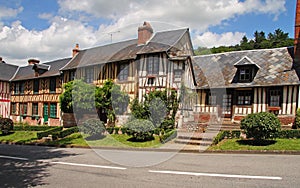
[10, 157]
[64, 163]
[87, 165]
[217, 175]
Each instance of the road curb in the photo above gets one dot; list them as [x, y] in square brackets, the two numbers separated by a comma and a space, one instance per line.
[282, 152]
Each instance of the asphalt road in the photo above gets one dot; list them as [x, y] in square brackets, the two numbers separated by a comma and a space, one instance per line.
[30, 166]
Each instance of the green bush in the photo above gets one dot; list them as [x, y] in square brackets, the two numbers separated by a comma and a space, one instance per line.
[168, 136]
[68, 132]
[92, 127]
[110, 130]
[124, 130]
[167, 124]
[51, 131]
[6, 125]
[261, 126]
[31, 128]
[140, 130]
[226, 134]
[288, 134]
[116, 130]
[296, 124]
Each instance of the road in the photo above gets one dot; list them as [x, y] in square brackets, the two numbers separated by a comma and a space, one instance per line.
[30, 166]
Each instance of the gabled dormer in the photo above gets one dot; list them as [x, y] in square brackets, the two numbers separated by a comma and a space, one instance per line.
[246, 70]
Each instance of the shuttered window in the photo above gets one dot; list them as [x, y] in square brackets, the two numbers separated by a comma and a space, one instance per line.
[123, 72]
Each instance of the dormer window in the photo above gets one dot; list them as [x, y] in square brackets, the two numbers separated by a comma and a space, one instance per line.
[246, 70]
[245, 74]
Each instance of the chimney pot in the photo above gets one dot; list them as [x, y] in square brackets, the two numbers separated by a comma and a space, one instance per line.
[33, 61]
[144, 33]
[75, 50]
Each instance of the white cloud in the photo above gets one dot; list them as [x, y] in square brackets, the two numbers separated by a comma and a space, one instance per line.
[9, 12]
[71, 26]
[209, 39]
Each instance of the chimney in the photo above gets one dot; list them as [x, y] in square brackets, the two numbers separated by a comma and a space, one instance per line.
[33, 61]
[144, 33]
[75, 50]
[297, 33]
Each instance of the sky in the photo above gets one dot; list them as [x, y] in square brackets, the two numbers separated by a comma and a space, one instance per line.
[49, 29]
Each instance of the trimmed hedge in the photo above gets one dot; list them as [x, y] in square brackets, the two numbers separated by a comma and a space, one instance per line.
[65, 133]
[6, 125]
[51, 131]
[168, 136]
[226, 134]
[288, 134]
[31, 128]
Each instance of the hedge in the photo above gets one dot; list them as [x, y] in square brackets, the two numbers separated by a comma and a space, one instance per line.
[168, 136]
[226, 134]
[31, 128]
[51, 131]
[285, 134]
[65, 133]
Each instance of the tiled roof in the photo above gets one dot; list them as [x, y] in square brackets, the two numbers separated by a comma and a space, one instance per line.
[28, 72]
[275, 67]
[7, 71]
[160, 42]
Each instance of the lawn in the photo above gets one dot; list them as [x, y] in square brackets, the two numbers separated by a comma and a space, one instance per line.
[278, 144]
[77, 139]
[19, 137]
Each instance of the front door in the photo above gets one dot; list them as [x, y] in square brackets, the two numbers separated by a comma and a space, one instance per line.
[46, 112]
[226, 105]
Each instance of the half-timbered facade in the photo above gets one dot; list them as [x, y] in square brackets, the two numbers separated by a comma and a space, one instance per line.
[154, 61]
[7, 72]
[35, 93]
[235, 84]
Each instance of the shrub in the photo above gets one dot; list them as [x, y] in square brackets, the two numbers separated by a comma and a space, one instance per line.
[261, 126]
[92, 127]
[296, 124]
[110, 130]
[168, 136]
[117, 130]
[6, 125]
[288, 134]
[51, 131]
[140, 130]
[31, 128]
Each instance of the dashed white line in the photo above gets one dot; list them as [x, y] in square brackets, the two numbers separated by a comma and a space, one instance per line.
[16, 158]
[87, 165]
[217, 175]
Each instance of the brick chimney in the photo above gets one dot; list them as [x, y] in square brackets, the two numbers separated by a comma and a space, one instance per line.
[144, 33]
[297, 33]
[33, 61]
[75, 50]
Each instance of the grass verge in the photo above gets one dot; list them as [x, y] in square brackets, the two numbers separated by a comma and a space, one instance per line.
[237, 144]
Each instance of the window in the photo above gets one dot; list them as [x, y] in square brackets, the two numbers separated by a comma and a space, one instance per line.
[244, 98]
[23, 109]
[52, 85]
[36, 86]
[89, 75]
[150, 81]
[35, 109]
[17, 88]
[245, 74]
[72, 75]
[53, 110]
[13, 108]
[123, 72]
[177, 75]
[211, 99]
[21, 87]
[275, 97]
[153, 64]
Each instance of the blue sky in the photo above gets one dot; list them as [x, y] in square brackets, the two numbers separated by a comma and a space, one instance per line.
[49, 29]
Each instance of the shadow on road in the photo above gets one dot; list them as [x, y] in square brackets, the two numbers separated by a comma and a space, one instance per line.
[16, 172]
